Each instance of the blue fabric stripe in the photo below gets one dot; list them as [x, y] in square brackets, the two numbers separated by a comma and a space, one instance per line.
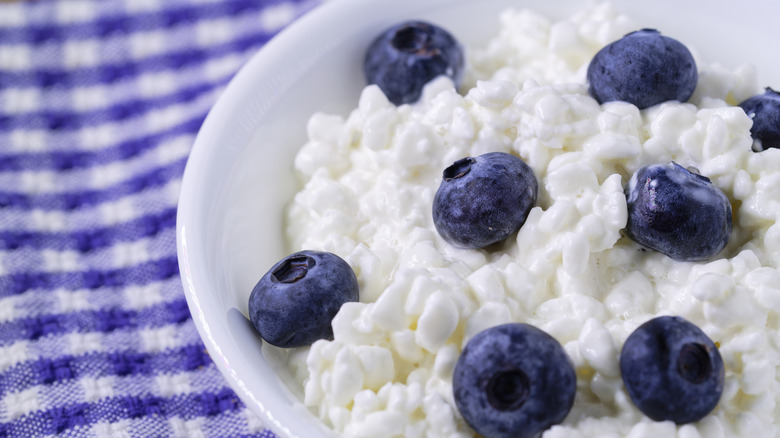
[106, 27]
[62, 160]
[90, 239]
[65, 119]
[32, 302]
[109, 73]
[140, 274]
[70, 201]
[151, 201]
[186, 406]
[46, 370]
[144, 87]
[102, 321]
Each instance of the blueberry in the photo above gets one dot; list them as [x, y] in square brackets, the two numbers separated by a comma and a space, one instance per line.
[407, 56]
[764, 109]
[294, 303]
[482, 200]
[644, 68]
[672, 370]
[677, 212]
[513, 380]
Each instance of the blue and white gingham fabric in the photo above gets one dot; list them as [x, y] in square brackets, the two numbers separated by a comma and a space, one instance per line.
[100, 102]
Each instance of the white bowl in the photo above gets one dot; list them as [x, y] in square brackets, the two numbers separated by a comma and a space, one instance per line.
[239, 174]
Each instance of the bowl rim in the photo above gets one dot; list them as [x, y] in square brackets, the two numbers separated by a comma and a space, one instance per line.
[189, 223]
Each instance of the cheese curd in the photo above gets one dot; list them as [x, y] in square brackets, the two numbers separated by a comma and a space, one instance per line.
[368, 182]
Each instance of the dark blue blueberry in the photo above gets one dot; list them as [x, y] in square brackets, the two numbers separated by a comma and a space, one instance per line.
[409, 55]
[672, 370]
[677, 212]
[482, 200]
[513, 381]
[294, 303]
[644, 68]
[764, 110]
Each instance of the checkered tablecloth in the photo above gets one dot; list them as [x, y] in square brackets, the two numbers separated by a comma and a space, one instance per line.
[100, 102]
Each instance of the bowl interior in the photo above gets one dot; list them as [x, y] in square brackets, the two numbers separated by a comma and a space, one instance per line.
[239, 175]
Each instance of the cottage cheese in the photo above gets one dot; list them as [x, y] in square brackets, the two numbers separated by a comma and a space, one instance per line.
[368, 182]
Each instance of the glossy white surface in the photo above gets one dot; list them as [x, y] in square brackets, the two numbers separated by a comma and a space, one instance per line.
[239, 175]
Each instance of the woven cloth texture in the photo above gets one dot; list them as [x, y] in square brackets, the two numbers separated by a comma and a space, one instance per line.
[100, 103]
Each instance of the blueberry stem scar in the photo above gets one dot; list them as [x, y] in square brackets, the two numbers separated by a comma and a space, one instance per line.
[693, 363]
[508, 390]
[294, 268]
[458, 169]
[410, 40]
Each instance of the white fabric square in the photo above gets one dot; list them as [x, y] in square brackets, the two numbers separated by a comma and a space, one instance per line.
[157, 84]
[81, 343]
[7, 307]
[37, 182]
[21, 402]
[81, 53]
[156, 340]
[48, 221]
[162, 119]
[169, 385]
[21, 100]
[254, 423]
[73, 301]
[108, 175]
[12, 16]
[13, 354]
[97, 137]
[277, 16]
[60, 261]
[73, 11]
[223, 67]
[139, 297]
[187, 429]
[173, 189]
[213, 32]
[96, 389]
[130, 253]
[117, 212]
[145, 44]
[120, 429]
[142, 5]
[89, 98]
[174, 150]
[24, 140]
[15, 57]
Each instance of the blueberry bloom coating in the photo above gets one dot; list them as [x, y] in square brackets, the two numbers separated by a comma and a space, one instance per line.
[409, 55]
[764, 110]
[672, 370]
[644, 68]
[513, 381]
[482, 200]
[677, 212]
[294, 303]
